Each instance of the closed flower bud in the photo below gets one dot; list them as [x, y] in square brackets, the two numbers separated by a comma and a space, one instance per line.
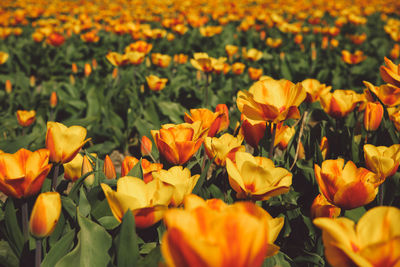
[88, 70]
[8, 87]
[87, 168]
[109, 169]
[145, 146]
[45, 214]
[53, 99]
[373, 116]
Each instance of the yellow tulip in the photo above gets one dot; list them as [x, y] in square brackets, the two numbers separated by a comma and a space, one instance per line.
[252, 54]
[45, 214]
[257, 177]
[374, 241]
[26, 117]
[213, 122]
[387, 93]
[231, 50]
[271, 100]
[382, 160]
[322, 208]
[340, 103]
[160, 60]
[181, 179]
[155, 83]
[314, 89]
[3, 57]
[64, 142]
[347, 187]
[221, 148]
[390, 73]
[73, 169]
[212, 233]
[238, 68]
[148, 202]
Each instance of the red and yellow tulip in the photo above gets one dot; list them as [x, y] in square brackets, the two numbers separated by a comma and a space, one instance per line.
[45, 214]
[223, 147]
[26, 117]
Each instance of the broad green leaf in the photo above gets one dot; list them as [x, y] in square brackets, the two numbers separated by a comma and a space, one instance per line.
[136, 171]
[7, 256]
[14, 233]
[59, 249]
[127, 246]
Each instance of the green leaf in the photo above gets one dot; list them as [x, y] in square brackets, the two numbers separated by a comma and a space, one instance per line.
[172, 110]
[136, 171]
[7, 256]
[127, 246]
[15, 237]
[203, 175]
[109, 222]
[84, 205]
[92, 248]
[280, 259]
[355, 214]
[152, 259]
[59, 249]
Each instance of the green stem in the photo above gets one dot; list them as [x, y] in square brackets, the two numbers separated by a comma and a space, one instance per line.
[38, 253]
[271, 147]
[24, 218]
[55, 176]
[380, 195]
[206, 91]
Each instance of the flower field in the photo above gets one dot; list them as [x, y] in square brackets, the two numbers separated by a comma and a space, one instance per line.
[199, 133]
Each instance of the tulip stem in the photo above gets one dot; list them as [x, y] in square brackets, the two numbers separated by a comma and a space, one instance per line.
[380, 195]
[299, 139]
[38, 253]
[24, 210]
[271, 147]
[55, 176]
[206, 92]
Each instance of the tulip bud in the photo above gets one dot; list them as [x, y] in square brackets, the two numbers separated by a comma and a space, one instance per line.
[86, 168]
[26, 118]
[115, 73]
[109, 169]
[94, 64]
[88, 70]
[8, 87]
[145, 146]
[53, 99]
[72, 79]
[32, 81]
[74, 68]
[45, 214]
[373, 116]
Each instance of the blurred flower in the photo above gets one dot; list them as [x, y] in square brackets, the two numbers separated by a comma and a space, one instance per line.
[74, 68]
[271, 100]
[178, 143]
[217, 234]
[148, 202]
[355, 58]
[109, 168]
[73, 169]
[32, 81]
[390, 73]
[324, 147]
[55, 39]
[8, 86]
[148, 168]
[231, 50]
[140, 46]
[254, 73]
[223, 147]
[134, 58]
[145, 145]
[26, 117]
[322, 208]
[257, 177]
[274, 43]
[212, 122]
[22, 173]
[90, 37]
[182, 181]
[209, 31]
[252, 54]
[155, 83]
[238, 68]
[160, 60]
[374, 241]
[340, 103]
[358, 39]
[202, 62]
[373, 116]
[87, 70]
[382, 160]
[53, 99]
[3, 57]
[45, 214]
[117, 59]
[395, 52]
[387, 93]
[346, 186]
[64, 142]
[314, 89]
[180, 58]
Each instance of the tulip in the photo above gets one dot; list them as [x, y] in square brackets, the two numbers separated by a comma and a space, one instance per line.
[74, 68]
[382, 160]
[134, 58]
[155, 83]
[274, 43]
[178, 143]
[217, 234]
[238, 68]
[8, 86]
[53, 99]
[140, 46]
[209, 31]
[354, 58]
[212, 122]
[87, 70]
[373, 116]
[90, 37]
[73, 169]
[223, 147]
[87, 168]
[109, 169]
[395, 52]
[180, 58]
[148, 202]
[64, 142]
[202, 62]
[324, 147]
[147, 167]
[145, 146]
[254, 73]
[22, 173]
[390, 73]
[257, 177]
[314, 89]
[231, 50]
[32, 81]
[322, 208]
[271, 100]
[45, 214]
[26, 118]
[253, 133]
[55, 39]
[347, 187]
[117, 59]
[283, 135]
[340, 103]
[387, 93]
[182, 181]
[3, 57]
[252, 54]
[160, 60]
[374, 241]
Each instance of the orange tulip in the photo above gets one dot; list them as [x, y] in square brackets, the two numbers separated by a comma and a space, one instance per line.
[117, 59]
[340, 103]
[387, 93]
[390, 73]
[354, 58]
[257, 177]
[74, 68]
[212, 122]
[55, 39]
[395, 52]
[217, 234]
[202, 62]
[147, 167]
[109, 168]
[25, 117]
[253, 133]
[53, 99]
[374, 241]
[160, 60]
[64, 142]
[45, 214]
[145, 146]
[314, 89]
[271, 100]
[274, 43]
[283, 135]
[22, 173]
[180, 58]
[155, 83]
[134, 58]
[238, 68]
[8, 86]
[148, 202]
[223, 147]
[87, 69]
[178, 143]
[373, 116]
[254, 73]
[90, 37]
[347, 187]
[322, 208]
